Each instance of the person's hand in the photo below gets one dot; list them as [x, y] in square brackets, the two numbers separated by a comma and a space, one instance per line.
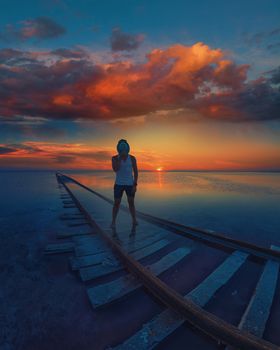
[134, 188]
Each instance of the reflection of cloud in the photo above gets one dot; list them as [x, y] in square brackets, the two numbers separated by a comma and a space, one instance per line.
[66, 84]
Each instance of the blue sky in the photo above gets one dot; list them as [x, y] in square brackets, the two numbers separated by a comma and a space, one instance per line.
[217, 23]
[63, 80]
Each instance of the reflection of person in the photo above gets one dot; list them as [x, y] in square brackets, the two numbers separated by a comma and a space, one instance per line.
[124, 164]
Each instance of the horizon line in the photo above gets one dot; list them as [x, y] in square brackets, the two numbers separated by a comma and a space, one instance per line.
[145, 170]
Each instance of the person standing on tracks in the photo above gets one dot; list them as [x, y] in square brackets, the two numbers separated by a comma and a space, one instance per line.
[124, 165]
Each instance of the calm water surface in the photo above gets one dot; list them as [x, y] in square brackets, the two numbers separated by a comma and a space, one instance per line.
[242, 205]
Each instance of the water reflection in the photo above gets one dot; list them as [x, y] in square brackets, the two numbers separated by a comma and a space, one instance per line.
[116, 236]
[170, 184]
[243, 205]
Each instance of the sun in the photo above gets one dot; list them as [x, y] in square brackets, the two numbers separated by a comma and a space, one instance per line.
[159, 169]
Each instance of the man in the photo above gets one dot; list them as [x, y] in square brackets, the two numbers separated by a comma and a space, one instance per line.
[124, 164]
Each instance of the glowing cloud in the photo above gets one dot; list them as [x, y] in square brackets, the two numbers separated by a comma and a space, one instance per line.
[66, 84]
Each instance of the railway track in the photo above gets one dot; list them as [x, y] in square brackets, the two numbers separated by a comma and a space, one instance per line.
[98, 253]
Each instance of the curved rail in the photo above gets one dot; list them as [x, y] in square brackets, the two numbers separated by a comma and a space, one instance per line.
[194, 232]
[198, 317]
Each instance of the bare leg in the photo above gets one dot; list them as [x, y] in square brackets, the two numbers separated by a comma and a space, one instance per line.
[132, 209]
[115, 210]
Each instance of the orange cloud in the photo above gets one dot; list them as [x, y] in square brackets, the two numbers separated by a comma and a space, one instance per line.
[177, 77]
[170, 78]
[50, 155]
[63, 100]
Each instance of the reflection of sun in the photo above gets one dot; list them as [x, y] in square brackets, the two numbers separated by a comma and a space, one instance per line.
[159, 169]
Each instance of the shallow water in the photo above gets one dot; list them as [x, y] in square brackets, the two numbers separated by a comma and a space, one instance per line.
[243, 205]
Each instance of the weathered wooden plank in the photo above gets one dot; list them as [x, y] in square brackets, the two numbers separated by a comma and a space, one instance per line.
[88, 260]
[150, 249]
[106, 293]
[132, 244]
[88, 249]
[201, 319]
[74, 234]
[205, 290]
[107, 267]
[78, 224]
[165, 323]
[67, 215]
[258, 309]
[130, 247]
[71, 218]
[93, 259]
[275, 247]
[59, 248]
[87, 240]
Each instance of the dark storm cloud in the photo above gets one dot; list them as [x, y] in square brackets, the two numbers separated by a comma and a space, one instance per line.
[37, 28]
[121, 41]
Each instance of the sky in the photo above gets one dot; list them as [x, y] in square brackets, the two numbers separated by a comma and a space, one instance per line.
[191, 85]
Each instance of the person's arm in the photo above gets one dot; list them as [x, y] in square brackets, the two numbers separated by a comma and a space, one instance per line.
[135, 170]
[115, 163]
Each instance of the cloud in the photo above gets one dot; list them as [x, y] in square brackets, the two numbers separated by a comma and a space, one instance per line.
[258, 38]
[267, 40]
[275, 76]
[6, 150]
[257, 101]
[31, 127]
[275, 47]
[64, 159]
[68, 53]
[121, 41]
[37, 28]
[53, 154]
[68, 84]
